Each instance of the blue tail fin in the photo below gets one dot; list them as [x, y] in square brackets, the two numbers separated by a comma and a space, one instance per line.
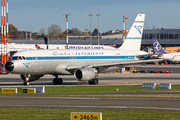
[157, 47]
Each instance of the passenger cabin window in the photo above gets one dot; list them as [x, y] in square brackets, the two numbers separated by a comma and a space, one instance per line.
[18, 58]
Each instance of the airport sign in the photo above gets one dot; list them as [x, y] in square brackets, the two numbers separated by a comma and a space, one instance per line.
[28, 90]
[86, 116]
[9, 90]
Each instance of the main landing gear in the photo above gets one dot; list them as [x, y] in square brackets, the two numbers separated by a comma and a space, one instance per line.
[57, 81]
[93, 81]
[26, 83]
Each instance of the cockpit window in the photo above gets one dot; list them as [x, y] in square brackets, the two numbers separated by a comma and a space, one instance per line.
[23, 58]
[18, 58]
[15, 58]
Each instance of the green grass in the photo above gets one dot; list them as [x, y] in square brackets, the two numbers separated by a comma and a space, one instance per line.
[64, 114]
[87, 89]
[108, 114]
[121, 88]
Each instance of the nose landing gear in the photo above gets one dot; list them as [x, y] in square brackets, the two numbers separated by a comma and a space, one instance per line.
[25, 78]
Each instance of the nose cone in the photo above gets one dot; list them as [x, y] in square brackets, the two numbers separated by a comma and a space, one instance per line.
[9, 66]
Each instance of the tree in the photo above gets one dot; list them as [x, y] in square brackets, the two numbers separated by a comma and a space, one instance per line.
[95, 32]
[15, 34]
[34, 35]
[75, 32]
[55, 30]
[85, 34]
[42, 31]
[40, 36]
[62, 36]
[13, 31]
[107, 33]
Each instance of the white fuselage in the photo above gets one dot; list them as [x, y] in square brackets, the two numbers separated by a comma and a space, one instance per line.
[85, 62]
[57, 61]
[171, 56]
[19, 47]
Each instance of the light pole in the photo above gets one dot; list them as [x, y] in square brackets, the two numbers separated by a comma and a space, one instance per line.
[124, 30]
[67, 30]
[90, 27]
[98, 24]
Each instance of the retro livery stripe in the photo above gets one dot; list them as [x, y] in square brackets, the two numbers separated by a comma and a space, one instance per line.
[80, 57]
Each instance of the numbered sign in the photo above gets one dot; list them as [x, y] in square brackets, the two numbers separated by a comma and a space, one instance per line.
[86, 116]
[39, 89]
[9, 90]
[28, 90]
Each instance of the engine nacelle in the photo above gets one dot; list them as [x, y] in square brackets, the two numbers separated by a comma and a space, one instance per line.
[29, 78]
[84, 74]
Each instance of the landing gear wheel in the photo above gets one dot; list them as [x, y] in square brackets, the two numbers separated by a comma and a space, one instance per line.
[55, 81]
[26, 83]
[90, 82]
[93, 81]
[59, 81]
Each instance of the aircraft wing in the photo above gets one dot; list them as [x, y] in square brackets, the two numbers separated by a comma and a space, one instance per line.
[150, 55]
[142, 55]
[126, 63]
[115, 63]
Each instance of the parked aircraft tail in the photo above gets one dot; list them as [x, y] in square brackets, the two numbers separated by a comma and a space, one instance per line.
[134, 37]
[37, 46]
[157, 47]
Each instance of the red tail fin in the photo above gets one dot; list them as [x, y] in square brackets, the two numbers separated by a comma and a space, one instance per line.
[37, 46]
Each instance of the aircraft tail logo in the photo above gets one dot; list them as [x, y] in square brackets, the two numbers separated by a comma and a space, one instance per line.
[26, 64]
[139, 28]
[157, 47]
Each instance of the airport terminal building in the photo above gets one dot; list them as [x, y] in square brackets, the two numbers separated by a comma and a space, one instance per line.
[166, 37]
[161, 33]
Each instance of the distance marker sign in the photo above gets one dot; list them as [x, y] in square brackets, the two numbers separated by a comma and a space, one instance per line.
[86, 116]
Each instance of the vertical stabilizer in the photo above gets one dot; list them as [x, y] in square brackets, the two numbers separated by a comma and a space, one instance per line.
[134, 37]
[157, 47]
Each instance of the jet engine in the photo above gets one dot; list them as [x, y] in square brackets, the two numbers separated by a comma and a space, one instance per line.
[29, 78]
[85, 74]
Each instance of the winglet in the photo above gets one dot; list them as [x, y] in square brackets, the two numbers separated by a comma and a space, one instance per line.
[157, 47]
[134, 37]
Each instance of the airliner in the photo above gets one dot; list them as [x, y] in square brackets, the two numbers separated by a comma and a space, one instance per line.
[161, 53]
[84, 64]
[12, 47]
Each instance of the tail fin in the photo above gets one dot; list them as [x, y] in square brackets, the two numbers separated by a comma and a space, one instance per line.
[37, 46]
[157, 47]
[134, 37]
